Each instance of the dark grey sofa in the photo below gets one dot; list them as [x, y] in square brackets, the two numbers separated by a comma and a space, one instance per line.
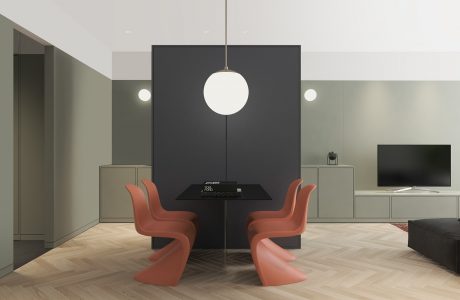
[437, 239]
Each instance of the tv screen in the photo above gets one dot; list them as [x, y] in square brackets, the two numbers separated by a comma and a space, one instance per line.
[413, 165]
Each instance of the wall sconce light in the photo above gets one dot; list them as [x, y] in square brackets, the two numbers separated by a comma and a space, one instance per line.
[310, 95]
[144, 95]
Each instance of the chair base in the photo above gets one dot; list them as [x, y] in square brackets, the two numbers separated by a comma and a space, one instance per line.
[159, 253]
[167, 269]
[272, 269]
[278, 251]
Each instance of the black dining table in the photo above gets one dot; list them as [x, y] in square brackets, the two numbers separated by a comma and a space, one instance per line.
[248, 192]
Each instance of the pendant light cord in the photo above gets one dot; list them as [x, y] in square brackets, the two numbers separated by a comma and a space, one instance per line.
[226, 117]
[226, 51]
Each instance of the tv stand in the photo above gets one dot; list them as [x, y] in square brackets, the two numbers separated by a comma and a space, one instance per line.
[388, 206]
[333, 201]
[414, 188]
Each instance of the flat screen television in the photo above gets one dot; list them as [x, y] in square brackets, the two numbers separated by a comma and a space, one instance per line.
[413, 165]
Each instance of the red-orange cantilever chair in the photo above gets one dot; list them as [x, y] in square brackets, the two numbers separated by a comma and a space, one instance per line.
[273, 269]
[167, 269]
[159, 213]
[285, 212]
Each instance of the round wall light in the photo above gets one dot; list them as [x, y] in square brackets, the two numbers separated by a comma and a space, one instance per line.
[310, 95]
[144, 95]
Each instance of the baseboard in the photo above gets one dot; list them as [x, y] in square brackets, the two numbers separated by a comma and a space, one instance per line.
[331, 220]
[71, 235]
[29, 237]
[359, 220]
[116, 220]
[6, 270]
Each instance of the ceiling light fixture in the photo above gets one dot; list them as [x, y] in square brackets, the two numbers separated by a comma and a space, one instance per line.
[144, 95]
[225, 91]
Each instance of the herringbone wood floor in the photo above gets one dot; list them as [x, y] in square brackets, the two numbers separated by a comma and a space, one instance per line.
[342, 261]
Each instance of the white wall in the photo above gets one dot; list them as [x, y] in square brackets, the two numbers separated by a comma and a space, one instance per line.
[44, 19]
[131, 66]
[6, 147]
[332, 66]
[341, 40]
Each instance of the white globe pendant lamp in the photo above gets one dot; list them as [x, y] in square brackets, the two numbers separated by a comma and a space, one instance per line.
[226, 91]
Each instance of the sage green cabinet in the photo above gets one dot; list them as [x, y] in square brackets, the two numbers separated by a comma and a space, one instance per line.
[336, 192]
[334, 196]
[388, 206]
[114, 200]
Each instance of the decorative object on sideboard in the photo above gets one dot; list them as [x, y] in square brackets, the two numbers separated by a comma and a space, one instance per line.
[226, 91]
[332, 158]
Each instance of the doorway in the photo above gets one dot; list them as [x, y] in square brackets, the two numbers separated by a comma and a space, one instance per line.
[29, 149]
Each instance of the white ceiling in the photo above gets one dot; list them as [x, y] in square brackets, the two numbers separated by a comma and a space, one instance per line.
[393, 39]
[318, 25]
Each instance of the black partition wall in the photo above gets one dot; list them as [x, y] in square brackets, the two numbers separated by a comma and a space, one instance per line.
[192, 144]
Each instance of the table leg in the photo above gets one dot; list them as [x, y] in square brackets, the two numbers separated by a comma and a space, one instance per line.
[225, 231]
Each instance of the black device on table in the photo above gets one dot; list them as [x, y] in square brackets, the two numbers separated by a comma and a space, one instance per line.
[220, 189]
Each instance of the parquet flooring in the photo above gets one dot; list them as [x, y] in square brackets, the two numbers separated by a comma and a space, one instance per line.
[342, 261]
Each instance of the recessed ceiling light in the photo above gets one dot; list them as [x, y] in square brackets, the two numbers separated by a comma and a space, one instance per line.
[206, 31]
[127, 31]
[310, 95]
[144, 95]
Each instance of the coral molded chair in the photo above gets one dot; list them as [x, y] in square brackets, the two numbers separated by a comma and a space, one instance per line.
[159, 213]
[271, 268]
[285, 212]
[168, 267]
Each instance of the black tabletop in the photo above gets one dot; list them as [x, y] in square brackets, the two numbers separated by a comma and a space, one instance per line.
[248, 192]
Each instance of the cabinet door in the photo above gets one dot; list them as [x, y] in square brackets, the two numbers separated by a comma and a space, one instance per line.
[411, 207]
[335, 195]
[310, 175]
[115, 202]
[143, 173]
[368, 207]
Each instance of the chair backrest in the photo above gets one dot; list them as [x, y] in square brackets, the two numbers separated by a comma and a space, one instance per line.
[290, 198]
[140, 208]
[301, 207]
[154, 197]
